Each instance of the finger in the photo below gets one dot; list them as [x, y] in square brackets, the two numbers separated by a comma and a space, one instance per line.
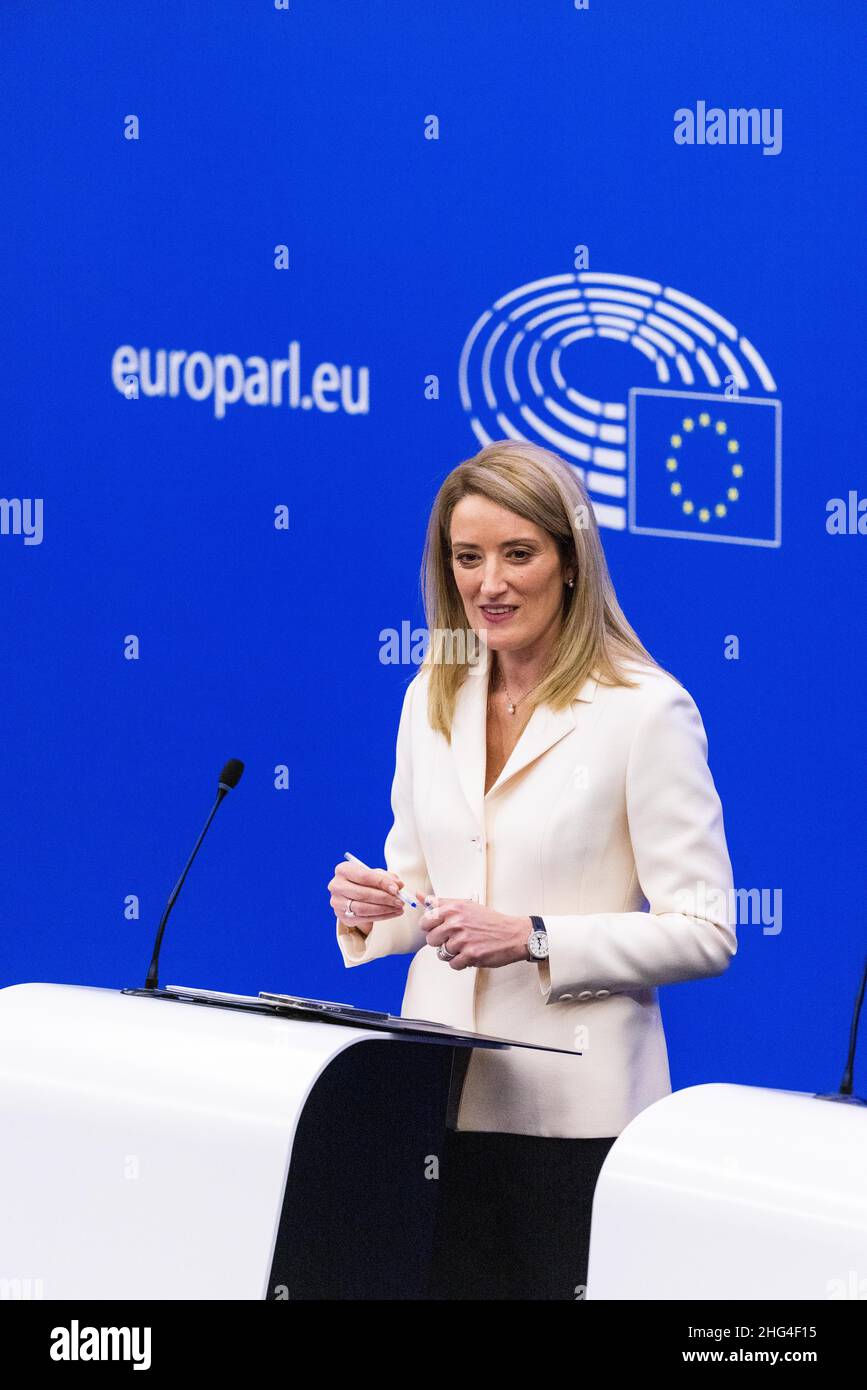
[387, 894]
[446, 910]
[391, 907]
[383, 880]
[360, 892]
[360, 908]
[447, 904]
[430, 920]
[439, 936]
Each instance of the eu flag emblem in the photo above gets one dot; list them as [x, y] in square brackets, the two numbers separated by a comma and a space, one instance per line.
[705, 467]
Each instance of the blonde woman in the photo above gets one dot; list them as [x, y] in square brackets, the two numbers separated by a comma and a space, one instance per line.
[555, 816]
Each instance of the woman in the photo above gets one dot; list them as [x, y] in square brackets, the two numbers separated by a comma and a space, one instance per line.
[556, 819]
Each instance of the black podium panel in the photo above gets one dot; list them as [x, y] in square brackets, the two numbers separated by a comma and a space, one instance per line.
[359, 1209]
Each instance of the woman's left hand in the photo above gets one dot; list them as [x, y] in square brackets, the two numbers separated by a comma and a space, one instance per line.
[475, 934]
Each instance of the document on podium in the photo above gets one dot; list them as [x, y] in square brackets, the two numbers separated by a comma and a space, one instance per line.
[330, 1011]
[392, 1023]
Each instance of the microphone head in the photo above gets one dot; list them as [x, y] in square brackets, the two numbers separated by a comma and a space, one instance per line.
[231, 774]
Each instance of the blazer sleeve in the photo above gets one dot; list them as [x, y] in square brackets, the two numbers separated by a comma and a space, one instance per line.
[681, 863]
[403, 856]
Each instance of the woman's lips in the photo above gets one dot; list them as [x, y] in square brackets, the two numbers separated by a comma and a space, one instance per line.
[498, 617]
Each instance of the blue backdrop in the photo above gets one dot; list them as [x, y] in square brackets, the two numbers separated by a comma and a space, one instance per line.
[370, 195]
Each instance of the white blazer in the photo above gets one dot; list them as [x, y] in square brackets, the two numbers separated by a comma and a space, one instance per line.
[605, 821]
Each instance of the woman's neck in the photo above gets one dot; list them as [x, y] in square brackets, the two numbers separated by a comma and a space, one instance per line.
[523, 670]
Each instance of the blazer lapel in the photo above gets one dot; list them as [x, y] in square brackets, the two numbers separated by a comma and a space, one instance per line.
[544, 728]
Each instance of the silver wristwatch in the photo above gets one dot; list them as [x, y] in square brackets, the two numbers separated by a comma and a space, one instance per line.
[537, 941]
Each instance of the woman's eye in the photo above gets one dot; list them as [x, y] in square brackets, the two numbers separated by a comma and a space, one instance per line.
[518, 554]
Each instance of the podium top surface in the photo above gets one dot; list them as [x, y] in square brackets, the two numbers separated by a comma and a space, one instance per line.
[329, 1011]
[75, 1002]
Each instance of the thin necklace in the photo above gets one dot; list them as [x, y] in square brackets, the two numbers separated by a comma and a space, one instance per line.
[512, 705]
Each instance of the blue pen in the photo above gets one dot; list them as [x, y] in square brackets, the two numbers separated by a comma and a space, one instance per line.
[411, 902]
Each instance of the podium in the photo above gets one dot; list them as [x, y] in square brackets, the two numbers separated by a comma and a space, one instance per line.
[733, 1192]
[160, 1149]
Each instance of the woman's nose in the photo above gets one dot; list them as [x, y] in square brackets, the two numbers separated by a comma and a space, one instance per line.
[492, 582]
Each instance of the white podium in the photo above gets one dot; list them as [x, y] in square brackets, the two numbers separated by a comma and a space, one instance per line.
[154, 1149]
[733, 1192]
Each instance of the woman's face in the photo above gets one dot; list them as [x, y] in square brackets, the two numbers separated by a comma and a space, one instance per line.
[501, 559]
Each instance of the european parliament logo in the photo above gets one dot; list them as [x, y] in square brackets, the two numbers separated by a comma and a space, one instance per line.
[680, 436]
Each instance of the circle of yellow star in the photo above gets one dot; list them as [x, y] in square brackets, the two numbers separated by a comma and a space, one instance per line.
[671, 464]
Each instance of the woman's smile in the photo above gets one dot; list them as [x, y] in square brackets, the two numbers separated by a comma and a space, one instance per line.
[499, 612]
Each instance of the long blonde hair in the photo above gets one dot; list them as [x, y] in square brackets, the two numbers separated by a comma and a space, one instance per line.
[536, 484]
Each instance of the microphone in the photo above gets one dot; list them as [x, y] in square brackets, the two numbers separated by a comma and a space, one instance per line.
[229, 778]
[844, 1094]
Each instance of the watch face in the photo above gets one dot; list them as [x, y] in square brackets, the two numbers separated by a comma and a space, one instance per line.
[538, 944]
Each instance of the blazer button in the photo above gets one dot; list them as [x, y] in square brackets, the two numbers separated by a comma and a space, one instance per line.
[602, 993]
[586, 994]
[566, 996]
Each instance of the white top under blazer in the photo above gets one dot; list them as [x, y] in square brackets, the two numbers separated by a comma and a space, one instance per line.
[605, 821]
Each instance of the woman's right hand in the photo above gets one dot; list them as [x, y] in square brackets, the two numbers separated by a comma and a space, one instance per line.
[373, 893]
